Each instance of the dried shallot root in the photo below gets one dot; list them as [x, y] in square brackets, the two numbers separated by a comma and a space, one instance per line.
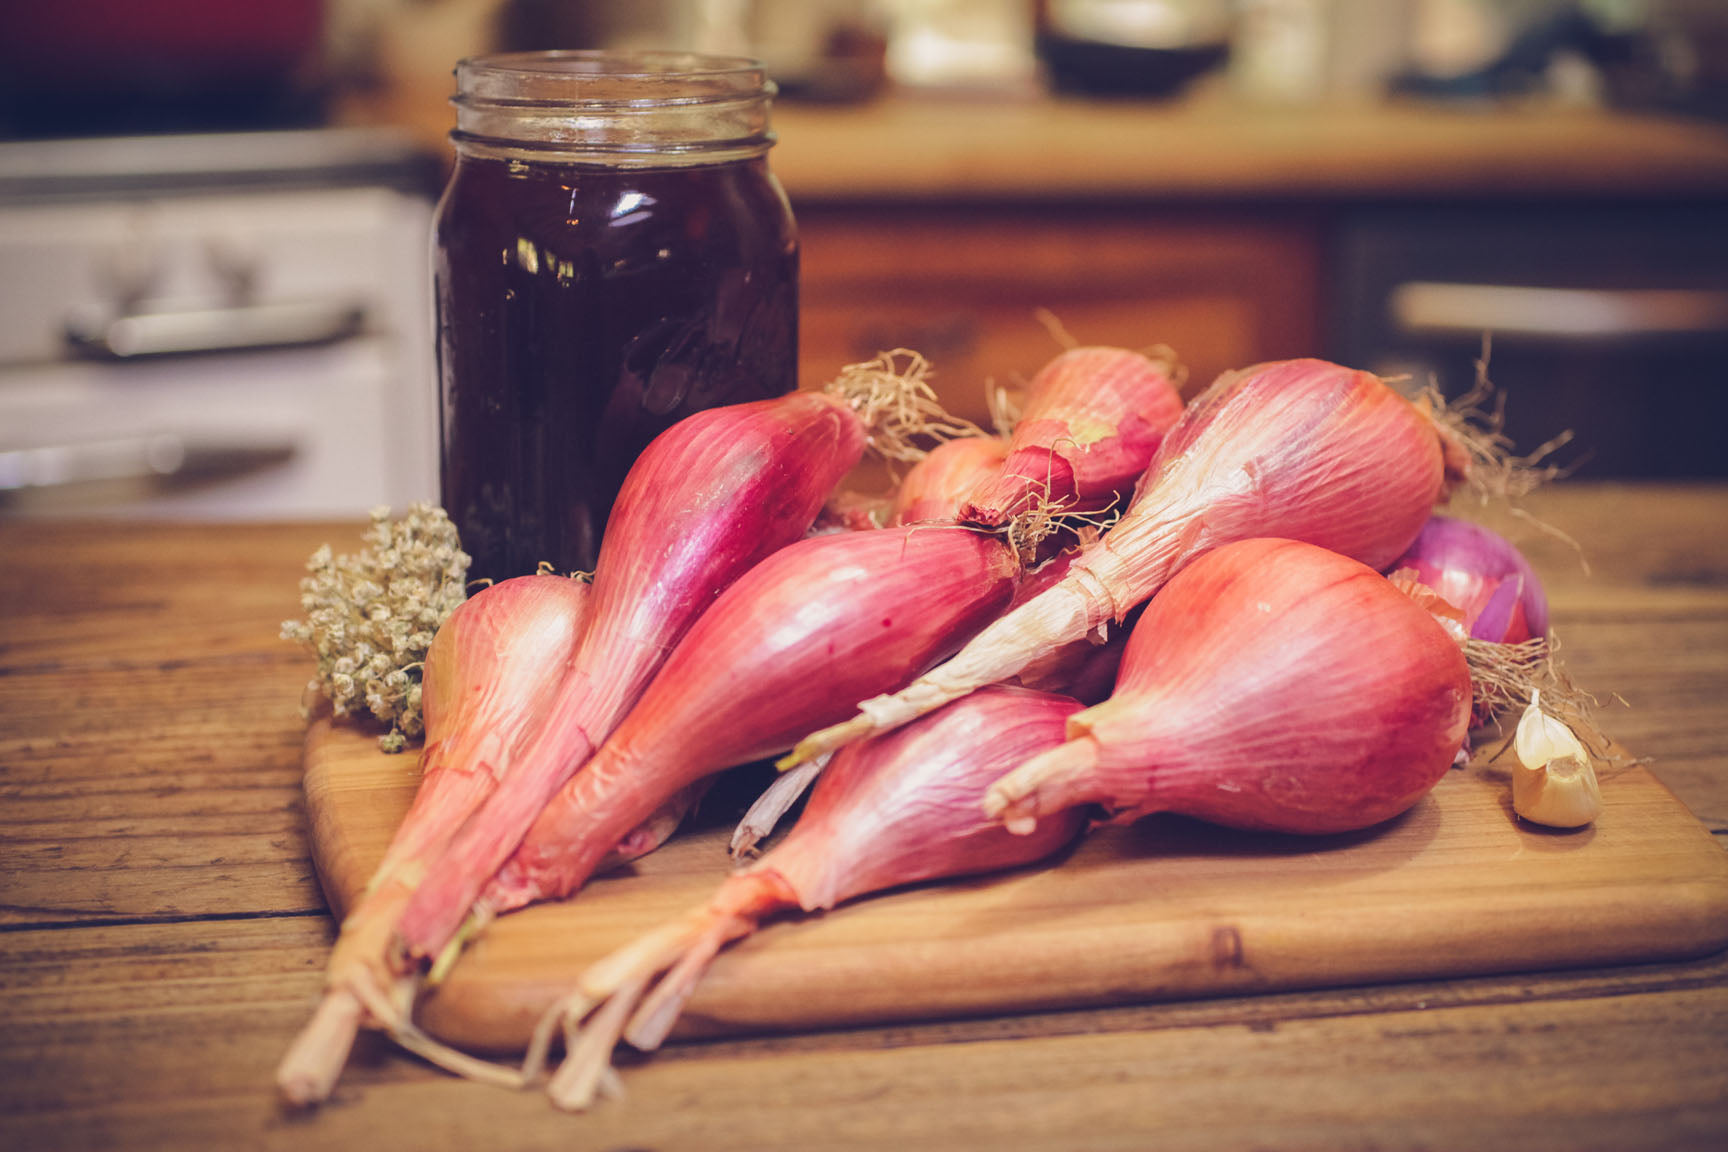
[896, 810]
[493, 664]
[1272, 685]
[706, 501]
[899, 410]
[785, 648]
[1301, 449]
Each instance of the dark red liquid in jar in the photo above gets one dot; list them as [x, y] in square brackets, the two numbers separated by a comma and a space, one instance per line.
[581, 311]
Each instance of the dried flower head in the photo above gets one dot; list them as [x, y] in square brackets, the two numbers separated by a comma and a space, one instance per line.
[370, 617]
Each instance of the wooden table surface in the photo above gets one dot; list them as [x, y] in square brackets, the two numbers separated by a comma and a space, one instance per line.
[162, 933]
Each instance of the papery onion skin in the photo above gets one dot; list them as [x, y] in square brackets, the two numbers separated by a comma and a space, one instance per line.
[1084, 668]
[493, 665]
[1271, 686]
[852, 510]
[1305, 450]
[885, 813]
[788, 647]
[934, 489]
[1300, 448]
[494, 662]
[707, 500]
[1484, 575]
[1093, 418]
[903, 807]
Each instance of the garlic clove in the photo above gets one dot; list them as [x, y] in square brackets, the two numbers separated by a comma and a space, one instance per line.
[1554, 782]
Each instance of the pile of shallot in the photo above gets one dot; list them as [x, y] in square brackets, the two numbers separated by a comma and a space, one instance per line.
[1243, 609]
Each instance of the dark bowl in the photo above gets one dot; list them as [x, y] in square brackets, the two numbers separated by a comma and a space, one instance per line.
[1095, 68]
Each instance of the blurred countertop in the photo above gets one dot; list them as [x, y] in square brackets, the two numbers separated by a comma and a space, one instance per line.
[909, 147]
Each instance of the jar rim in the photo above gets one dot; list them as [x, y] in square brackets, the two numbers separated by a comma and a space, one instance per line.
[650, 62]
[600, 78]
[620, 107]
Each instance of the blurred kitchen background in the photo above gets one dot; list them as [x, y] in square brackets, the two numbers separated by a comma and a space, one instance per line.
[214, 216]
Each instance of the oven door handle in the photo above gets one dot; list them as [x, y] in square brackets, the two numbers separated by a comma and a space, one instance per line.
[158, 457]
[243, 328]
[1430, 308]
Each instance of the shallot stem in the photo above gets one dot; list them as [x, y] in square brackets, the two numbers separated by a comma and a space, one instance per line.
[1052, 781]
[479, 916]
[650, 1023]
[582, 1077]
[820, 745]
[314, 1061]
[776, 800]
[454, 1060]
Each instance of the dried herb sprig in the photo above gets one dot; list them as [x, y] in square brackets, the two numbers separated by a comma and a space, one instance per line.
[370, 617]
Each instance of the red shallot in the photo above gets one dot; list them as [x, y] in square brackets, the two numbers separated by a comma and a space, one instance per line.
[707, 500]
[937, 485]
[896, 810]
[1500, 603]
[1092, 418]
[1483, 575]
[930, 493]
[491, 666]
[789, 646]
[1272, 685]
[1299, 448]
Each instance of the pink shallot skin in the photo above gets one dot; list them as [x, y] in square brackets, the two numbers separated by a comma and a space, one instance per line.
[706, 501]
[903, 807]
[935, 487]
[1300, 448]
[888, 812]
[1483, 575]
[1092, 421]
[790, 646]
[1272, 685]
[492, 665]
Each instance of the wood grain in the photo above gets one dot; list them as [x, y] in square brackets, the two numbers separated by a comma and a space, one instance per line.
[143, 691]
[168, 1046]
[127, 654]
[966, 287]
[1166, 908]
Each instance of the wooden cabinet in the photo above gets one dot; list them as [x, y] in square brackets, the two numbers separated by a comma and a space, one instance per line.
[965, 286]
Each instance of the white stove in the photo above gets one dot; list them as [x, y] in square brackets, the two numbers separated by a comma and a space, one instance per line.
[223, 326]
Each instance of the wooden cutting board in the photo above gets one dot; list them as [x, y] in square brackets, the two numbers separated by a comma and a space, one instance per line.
[1166, 908]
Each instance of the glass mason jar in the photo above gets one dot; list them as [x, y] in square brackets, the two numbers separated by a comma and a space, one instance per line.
[612, 254]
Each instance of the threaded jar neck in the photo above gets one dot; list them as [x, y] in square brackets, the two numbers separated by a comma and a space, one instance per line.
[625, 109]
